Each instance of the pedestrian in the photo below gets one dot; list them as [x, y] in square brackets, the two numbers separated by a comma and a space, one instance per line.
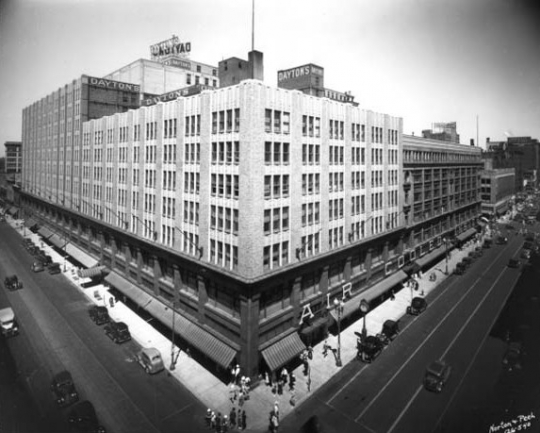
[213, 420]
[275, 423]
[241, 399]
[218, 422]
[292, 380]
[306, 365]
[237, 374]
[232, 393]
[266, 379]
[208, 417]
[292, 401]
[284, 375]
[232, 417]
[310, 352]
[233, 371]
[280, 387]
[111, 301]
[244, 418]
[276, 408]
[225, 424]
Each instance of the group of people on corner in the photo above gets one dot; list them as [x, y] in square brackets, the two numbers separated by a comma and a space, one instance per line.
[279, 382]
[236, 419]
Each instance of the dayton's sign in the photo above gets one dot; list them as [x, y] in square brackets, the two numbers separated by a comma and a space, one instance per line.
[175, 94]
[300, 71]
[170, 46]
[111, 84]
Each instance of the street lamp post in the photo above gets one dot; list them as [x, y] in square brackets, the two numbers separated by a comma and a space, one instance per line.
[364, 308]
[339, 309]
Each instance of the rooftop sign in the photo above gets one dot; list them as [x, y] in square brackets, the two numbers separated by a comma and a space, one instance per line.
[168, 47]
[111, 84]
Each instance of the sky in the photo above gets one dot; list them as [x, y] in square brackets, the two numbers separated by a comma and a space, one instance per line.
[476, 62]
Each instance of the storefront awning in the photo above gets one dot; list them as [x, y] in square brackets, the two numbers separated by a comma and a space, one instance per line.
[79, 255]
[92, 272]
[132, 291]
[198, 337]
[57, 241]
[349, 307]
[466, 235]
[282, 351]
[382, 286]
[31, 222]
[429, 257]
[45, 232]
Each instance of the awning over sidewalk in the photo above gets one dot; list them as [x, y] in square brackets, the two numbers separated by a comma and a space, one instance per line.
[382, 286]
[348, 308]
[57, 241]
[79, 255]
[45, 232]
[466, 235]
[92, 272]
[31, 222]
[132, 291]
[429, 257]
[204, 341]
[281, 352]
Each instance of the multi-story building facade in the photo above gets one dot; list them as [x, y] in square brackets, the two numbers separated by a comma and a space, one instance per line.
[13, 161]
[442, 195]
[520, 153]
[497, 189]
[238, 215]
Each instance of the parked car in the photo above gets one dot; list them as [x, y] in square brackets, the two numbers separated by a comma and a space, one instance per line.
[389, 331]
[487, 243]
[54, 268]
[63, 389]
[502, 240]
[44, 258]
[460, 268]
[370, 349]
[117, 332]
[37, 266]
[150, 359]
[82, 418]
[418, 305]
[99, 314]
[13, 283]
[33, 249]
[513, 263]
[467, 261]
[512, 357]
[436, 376]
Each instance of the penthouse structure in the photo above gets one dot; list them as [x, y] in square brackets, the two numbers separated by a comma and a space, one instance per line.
[239, 215]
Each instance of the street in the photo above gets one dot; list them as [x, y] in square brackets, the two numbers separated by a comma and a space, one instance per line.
[57, 334]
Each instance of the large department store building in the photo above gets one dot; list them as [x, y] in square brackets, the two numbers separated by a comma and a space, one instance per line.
[239, 214]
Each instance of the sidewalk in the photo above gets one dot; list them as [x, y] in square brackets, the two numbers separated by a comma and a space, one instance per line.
[215, 394]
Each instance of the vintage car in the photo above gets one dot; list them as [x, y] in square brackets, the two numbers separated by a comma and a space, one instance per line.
[83, 418]
[436, 375]
[418, 305]
[99, 314]
[370, 349]
[389, 331]
[13, 283]
[63, 389]
[150, 359]
[117, 332]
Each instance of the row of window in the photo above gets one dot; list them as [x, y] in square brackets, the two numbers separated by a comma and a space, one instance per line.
[276, 153]
[192, 153]
[224, 254]
[276, 220]
[169, 180]
[310, 214]
[277, 122]
[169, 207]
[227, 152]
[169, 128]
[191, 212]
[310, 154]
[192, 182]
[224, 219]
[226, 121]
[149, 203]
[225, 185]
[151, 130]
[276, 255]
[336, 129]
[335, 182]
[192, 125]
[276, 186]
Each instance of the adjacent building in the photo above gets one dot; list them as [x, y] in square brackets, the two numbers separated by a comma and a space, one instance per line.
[497, 189]
[13, 161]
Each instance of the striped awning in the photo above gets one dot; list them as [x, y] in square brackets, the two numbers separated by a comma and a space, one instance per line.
[429, 257]
[79, 255]
[198, 337]
[57, 241]
[31, 222]
[96, 271]
[282, 351]
[383, 286]
[45, 232]
[466, 234]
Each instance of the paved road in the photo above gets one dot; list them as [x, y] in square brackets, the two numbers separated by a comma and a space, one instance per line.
[387, 395]
[57, 334]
